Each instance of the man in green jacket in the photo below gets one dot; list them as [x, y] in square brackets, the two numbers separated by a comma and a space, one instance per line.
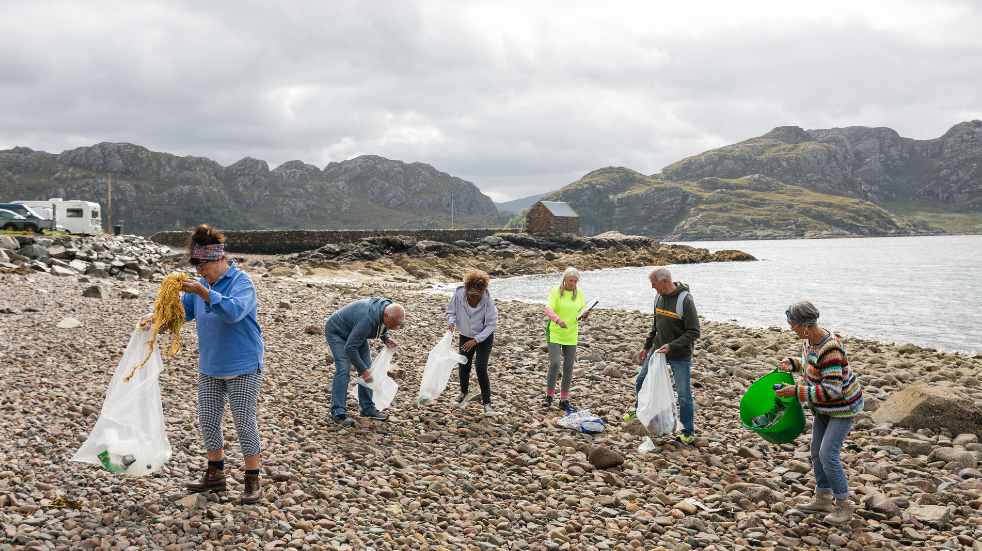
[673, 332]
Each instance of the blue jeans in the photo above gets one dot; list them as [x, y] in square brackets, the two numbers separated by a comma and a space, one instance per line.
[682, 374]
[828, 434]
[342, 376]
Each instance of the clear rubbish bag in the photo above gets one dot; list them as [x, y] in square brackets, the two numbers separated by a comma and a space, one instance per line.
[657, 404]
[440, 364]
[383, 387]
[129, 436]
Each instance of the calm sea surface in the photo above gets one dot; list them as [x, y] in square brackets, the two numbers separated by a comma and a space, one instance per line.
[922, 290]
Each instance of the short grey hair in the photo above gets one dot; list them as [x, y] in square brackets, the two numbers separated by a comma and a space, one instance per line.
[660, 274]
[802, 313]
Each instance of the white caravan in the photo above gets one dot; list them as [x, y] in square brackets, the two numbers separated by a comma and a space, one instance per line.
[83, 217]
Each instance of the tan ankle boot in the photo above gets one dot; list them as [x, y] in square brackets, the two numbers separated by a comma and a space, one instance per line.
[842, 513]
[212, 481]
[252, 491]
[823, 503]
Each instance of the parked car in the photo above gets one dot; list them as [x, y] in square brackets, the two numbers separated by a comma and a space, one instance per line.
[42, 222]
[13, 221]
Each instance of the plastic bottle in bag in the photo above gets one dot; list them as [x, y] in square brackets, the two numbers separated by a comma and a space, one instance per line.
[115, 463]
[771, 417]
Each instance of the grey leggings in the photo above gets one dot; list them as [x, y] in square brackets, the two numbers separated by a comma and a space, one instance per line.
[565, 353]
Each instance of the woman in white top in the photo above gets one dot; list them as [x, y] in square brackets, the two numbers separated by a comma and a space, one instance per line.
[472, 312]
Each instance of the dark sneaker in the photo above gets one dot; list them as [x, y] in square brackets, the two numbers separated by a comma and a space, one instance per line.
[548, 402]
[566, 406]
[376, 415]
[212, 481]
[344, 421]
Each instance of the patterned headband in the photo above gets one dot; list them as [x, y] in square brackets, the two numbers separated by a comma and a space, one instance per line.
[208, 253]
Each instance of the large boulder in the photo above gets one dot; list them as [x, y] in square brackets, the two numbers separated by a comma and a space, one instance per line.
[923, 406]
[603, 457]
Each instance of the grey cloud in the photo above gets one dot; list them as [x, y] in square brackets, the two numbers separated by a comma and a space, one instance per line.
[519, 98]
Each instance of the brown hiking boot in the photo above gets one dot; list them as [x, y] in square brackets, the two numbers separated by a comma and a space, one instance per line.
[823, 503]
[212, 481]
[842, 513]
[252, 491]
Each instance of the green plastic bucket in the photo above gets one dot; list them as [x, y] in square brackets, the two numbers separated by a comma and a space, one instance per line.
[760, 399]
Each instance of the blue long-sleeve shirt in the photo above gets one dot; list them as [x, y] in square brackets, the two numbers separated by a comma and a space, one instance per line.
[230, 341]
[356, 323]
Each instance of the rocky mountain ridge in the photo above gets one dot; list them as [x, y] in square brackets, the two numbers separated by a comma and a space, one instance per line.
[793, 183]
[153, 191]
[875, 164]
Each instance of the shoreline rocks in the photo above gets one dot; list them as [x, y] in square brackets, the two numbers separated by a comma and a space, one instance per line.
[438, 477]
[500, 255]
[126, 257]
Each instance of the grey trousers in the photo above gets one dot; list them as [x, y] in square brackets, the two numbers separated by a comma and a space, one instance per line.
[565, 353]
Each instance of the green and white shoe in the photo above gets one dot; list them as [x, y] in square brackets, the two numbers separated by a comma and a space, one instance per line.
[630, 415]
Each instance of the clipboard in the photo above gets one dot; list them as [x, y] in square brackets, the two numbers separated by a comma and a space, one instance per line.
[596, 302]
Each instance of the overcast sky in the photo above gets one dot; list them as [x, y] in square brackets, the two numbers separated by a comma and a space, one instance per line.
[517, 97]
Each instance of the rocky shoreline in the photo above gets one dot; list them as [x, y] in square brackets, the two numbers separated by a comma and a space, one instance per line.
[502, 255]
[436, 478]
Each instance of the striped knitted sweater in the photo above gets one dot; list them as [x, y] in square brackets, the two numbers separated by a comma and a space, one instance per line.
[829, 387]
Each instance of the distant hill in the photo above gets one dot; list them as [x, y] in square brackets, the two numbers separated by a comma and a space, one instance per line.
[875, 164]
[155, 191]
[791, 183]
[516, 206]
[752, 207]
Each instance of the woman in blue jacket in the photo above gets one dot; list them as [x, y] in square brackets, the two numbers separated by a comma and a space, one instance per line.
[230, 347]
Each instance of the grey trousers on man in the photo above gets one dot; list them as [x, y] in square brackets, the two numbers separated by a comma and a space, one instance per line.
[566, 354]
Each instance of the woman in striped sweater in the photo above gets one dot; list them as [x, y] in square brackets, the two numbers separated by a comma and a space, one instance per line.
[832, 391]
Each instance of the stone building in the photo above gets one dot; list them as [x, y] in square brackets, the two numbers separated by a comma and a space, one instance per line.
[552, 217]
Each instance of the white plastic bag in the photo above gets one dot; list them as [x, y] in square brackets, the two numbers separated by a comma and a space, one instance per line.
[583, 421]
[657, 402]
[439, 365]
[129, 436]
[382, 386]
